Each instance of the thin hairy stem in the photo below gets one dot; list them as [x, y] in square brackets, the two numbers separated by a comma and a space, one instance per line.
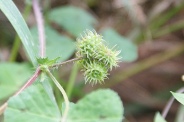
[170, 102]
[30, 81]
[40, 24]
[3, 107]
[65, 62]
[63, 119]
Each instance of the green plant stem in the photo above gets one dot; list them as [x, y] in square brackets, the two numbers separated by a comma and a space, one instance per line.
[63, 93]
[3, 107]
[69, 61]
[72, 80]
[41, 28]
[17, 41]
[144, 65]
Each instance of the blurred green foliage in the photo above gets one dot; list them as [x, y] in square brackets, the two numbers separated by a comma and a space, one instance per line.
[72, 19]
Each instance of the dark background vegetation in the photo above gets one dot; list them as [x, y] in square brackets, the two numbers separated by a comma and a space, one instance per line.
[155, 26]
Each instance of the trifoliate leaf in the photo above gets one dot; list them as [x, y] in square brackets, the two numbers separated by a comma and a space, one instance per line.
[103, 105]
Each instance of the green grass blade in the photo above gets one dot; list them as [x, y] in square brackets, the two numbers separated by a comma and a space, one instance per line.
[16, 19]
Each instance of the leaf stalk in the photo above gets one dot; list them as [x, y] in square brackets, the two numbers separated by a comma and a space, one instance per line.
[65, 113]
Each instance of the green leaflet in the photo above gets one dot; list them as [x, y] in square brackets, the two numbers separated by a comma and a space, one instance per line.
[103, 105]
[32, 105]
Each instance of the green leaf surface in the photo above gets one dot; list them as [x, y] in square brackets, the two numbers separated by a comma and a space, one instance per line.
[179, 97]
[12, 77]
[57, 45]
[128, 49]
[16, 19]
[74, 20]
[99, 106]
[159, 118]
[32, 105]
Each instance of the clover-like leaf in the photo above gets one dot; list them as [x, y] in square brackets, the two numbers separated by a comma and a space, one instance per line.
[103, 105]
[32, 105]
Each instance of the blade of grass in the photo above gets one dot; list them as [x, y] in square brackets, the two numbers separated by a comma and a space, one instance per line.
[17, 41]
[16, 19]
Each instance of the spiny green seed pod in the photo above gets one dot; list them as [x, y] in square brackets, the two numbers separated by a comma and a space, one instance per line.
[95, 73]
[97, 58]
[87, 45]
[108, 57]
